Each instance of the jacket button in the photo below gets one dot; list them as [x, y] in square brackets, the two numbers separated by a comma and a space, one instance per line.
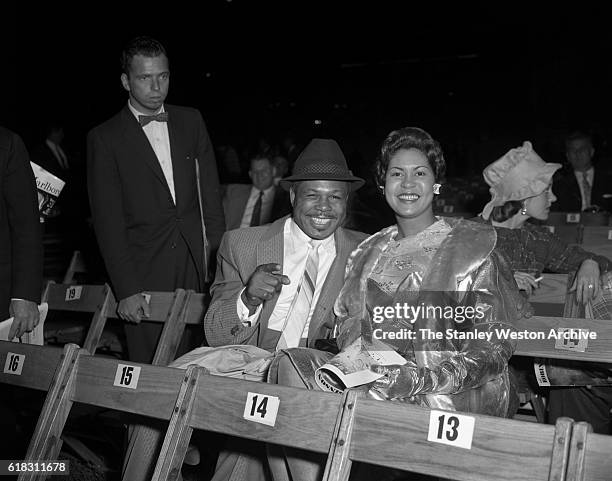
[173, 246]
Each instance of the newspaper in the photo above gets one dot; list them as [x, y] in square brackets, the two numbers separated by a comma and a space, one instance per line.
[351, 367]
[49, 188]
[35, 337]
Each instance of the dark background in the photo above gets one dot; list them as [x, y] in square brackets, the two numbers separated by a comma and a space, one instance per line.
[481, 77]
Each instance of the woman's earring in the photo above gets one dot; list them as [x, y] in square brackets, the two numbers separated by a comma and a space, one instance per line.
[524, 211]
[436, 188]
[382, 189]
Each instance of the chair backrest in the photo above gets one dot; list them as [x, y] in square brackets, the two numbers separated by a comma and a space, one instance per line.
[543, 337]
[30, 366]
[452, 445]
[590, 457]
[97, 300]
[269, 413]
[76, 266]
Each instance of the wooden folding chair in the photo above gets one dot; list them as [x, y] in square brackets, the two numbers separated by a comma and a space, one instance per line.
[590, 457]
[37, 367]
[107, 383]
[275, 414]
[458, 446]
[96, 300]
[34, 367]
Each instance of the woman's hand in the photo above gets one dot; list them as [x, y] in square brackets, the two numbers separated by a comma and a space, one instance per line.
[526, 282]
[587, 281]
[397, 381]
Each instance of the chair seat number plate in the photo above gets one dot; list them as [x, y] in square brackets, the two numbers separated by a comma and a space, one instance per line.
[127, 376]
[451, 429]
[73, 293]
[261, 408]
[14, 363]
[569, 339]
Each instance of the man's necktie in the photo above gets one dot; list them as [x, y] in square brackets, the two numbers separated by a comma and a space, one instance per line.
[302, 304]
[586, 189]
[256, 216]
[160, 117]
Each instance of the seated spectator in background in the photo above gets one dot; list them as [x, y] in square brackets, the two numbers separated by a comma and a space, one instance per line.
[259, 203]
[521, 188]
[420, 260]
[584, 186]
[229, 164]
[281, 166]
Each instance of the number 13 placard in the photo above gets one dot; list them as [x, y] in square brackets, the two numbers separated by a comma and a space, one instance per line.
[450, 428]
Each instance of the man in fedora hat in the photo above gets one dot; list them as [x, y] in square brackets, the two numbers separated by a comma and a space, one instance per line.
[261, 269]
[275, 288]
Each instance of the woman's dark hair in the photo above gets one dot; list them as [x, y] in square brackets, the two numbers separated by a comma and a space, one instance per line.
[410, 138]
[145, 46]
[502, 213]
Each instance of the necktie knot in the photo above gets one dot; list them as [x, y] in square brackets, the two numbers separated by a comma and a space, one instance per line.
[160, 117]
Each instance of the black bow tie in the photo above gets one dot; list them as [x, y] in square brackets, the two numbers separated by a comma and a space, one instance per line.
[160, 117]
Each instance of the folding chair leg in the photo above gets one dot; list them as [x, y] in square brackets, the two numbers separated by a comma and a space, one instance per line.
[580, 432]
[46, 441]
[338, 466]
[179, 432]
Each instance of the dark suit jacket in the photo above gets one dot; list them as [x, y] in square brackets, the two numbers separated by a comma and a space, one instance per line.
[21, 251]
[136, 222]
[241, 251]
[567, 190]
[235, 200]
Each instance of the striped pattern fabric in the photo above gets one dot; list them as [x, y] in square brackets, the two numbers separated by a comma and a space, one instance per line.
[302, 305]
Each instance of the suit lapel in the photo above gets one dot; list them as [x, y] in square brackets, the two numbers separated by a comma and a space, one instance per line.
[183, 165]
[270, 250]
[135, 136]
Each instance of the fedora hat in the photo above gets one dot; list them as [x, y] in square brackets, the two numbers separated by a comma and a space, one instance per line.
[322, 159]
[518, 175]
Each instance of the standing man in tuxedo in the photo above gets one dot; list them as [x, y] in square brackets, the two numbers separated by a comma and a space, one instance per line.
[21, 261]
[583, 187]
[259, 203]
[155, 225]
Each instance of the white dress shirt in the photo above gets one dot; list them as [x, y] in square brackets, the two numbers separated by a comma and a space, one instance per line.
[157, 133]
[266, 206]
[295, 254]
[590, 178]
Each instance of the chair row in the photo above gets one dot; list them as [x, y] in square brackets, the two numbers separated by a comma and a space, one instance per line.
[175, 310]
[346, 428]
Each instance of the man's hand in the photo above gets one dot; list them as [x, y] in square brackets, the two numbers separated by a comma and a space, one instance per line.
[26, 317]
[526, 282]
[587, 281]
[265, 283]
[133, 308]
